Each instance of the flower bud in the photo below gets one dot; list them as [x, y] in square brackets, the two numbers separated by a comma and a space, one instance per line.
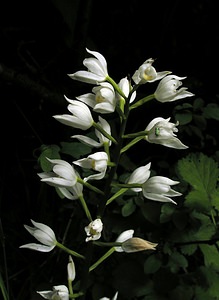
[71, 269]
[137, 244]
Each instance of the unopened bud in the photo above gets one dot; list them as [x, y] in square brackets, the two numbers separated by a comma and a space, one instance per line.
[71, 269]
[136, 244]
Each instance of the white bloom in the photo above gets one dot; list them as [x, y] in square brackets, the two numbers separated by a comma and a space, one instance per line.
[158, 188]
[114, 298]
[167, 89]
[140, 175]
[59, 292]
[71, 269]
[97, 69]
[97, 162]
[93, 230]
[63, 174]
[147, 73]
[161, 131]
[102, 139]
[43, 234]
[72, 193]
[81, 116]
[64, 178]
[102, 100]
[125, 235]
[124, 85]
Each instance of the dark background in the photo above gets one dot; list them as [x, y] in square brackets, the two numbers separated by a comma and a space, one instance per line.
[43, 41]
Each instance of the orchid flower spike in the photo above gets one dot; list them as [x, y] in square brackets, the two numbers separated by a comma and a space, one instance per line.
[97, 69]
[43, 234]
[167, 89]
[147, 73]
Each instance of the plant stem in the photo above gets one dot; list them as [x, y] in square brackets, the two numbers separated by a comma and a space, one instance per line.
[100, 260]
[142, 101]
[90, 186]
[69, 251]
[84, 205]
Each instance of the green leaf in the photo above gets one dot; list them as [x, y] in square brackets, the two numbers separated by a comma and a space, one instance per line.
[75, 149]
[52, 152]
[211, 256]
[211, 111]
[188, 249]
[152, 264]
[212, 280]
[177, 261]
[184, 117]
[167, 211]
[128, 208]
[201, 172]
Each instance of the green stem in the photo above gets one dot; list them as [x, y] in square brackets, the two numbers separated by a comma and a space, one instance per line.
[142, 101]
[90, 186]
[69, 251]
[132, 143]
[116, 87]
[76, 295]
[128, 185]
[106, 134]
[106, 244]
[84, 205]
[136, 134]
[70, 287]
[100, 260]
[116, 195]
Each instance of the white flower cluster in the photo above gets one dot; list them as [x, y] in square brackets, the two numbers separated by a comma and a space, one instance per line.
[107, 97]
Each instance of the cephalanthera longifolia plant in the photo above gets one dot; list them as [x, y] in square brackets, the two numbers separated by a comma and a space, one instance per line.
[76, 180]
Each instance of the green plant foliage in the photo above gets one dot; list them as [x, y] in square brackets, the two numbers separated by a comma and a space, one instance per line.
[75, 149]
[201, 172]
[52, 152]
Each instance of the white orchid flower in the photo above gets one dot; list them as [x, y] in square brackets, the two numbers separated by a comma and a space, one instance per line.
[73, 192]
[43, 234]
[125, 235]
[125, 87]
[147, 73]
[167, 89]
[81, 116]
[63, 174]
[97, 69]
[93, 230]
[114, 297]
[102, 139]
[59, 292]
[158, 188]
[64, 178]
[139, 176]
[162, 131]
[97, 162]
[102, 100]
